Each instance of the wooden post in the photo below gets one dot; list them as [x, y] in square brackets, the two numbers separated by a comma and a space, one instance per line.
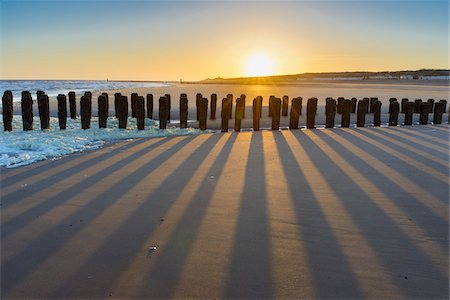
[85, 112]
[169, 106]
[444, 102]
[409, 110]
[62, 111]
[394, 108]
[294, 115]
[276, 110]
[203, 114]
[7, 103]
[123, 112]
[183, 111]
[72, 105]
[133, 104]
[330, 112]
[225, 114]
[117, 100]
[213, 106]
[417, 104]
[107, 103]
[257, 110]
[150, 106]
[89, 97]
[372, 103]
[376, 113]
[424, 110]
[162, 112]
[346, 111]
[431, 102]
[102, 111]
[243, 97]
[239, 113]
[367, 100]
[285, 107]
[361, 112]
[198, 97]
[140, 112]
[340, 102]
[270, 106]
[390, 101]
[354, 103]
[438, 110]
[230, 97]
[404, 101]
[44, 111]
[311, 109]
[27, 111]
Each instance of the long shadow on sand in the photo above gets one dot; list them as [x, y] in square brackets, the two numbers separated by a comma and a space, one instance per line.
[383, 236]
[24, 262]
[332, 274]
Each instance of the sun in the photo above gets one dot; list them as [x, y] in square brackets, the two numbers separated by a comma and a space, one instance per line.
[259, 64]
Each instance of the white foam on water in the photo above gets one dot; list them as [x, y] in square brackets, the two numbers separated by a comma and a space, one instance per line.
[18, 147]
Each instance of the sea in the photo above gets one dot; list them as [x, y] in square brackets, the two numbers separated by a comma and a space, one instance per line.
[54, 87]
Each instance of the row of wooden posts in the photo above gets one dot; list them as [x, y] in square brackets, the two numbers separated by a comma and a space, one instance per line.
[277, 108]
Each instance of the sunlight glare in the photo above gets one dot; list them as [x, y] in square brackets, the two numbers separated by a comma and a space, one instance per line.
[259, 64]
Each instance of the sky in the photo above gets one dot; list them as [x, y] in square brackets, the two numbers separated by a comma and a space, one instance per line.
[194, 40]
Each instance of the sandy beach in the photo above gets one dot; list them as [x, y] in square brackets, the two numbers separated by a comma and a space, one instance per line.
[332, 213]
[383, 89]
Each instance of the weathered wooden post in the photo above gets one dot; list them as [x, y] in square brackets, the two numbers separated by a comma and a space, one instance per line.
[431, 102]
[409, 111]
[198, 97]
[366, 106]
[404, 101]
[169, 106]
[62, 111]
[330, 112]
[140, 112]
[89, 97]
[117, 99]
[213, 106]
[377, 113]
[296, 107]
[276, 110]
[27, 111]
[270, 106]
[183, 111]
[243, 99]
[107, 103]
[285, 107]
[133, 104]
[203, 113]
[424, 111]
[444, 102]
[162, 112]
[102, 111]
[346, 111]
[150, 106]
[438, 110]
[311, 109]
[39, 93]
[340, 102]
[225, 114]
[390, 101]
[361, 112]
[257, 110]
[354, 103]
[44, 111]
[72, 105]
[123, 112]
[394, 108]
[84, 112]
[7, 103]
[230, 97]
[239, 113]
[372, 103]
[417, 104]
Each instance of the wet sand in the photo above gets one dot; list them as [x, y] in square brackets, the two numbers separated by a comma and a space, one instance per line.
[332, 213]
